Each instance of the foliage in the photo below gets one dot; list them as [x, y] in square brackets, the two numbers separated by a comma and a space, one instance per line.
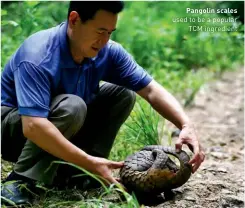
[16, 28]
[169, 51]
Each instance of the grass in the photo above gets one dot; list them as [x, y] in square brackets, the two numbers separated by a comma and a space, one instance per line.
[106, 196]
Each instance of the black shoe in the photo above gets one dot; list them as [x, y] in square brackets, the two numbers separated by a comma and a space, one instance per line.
[17, 190]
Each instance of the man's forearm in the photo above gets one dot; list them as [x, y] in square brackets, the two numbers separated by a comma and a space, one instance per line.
[45, 135]
[165, 104]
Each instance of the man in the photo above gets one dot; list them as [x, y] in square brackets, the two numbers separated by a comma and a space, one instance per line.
[53, 106]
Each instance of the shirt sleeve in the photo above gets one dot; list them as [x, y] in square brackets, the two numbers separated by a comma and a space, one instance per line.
[124, 70]
[32, 90]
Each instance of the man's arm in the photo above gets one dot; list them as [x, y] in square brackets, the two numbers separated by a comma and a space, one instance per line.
[45, 135]
[166, 105]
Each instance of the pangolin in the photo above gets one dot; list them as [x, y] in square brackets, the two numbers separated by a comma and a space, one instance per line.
[152, 171]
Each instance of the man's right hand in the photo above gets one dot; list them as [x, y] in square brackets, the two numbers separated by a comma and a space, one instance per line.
[103, 168]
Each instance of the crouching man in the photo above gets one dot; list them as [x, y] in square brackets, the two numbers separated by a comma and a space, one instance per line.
[53, 107]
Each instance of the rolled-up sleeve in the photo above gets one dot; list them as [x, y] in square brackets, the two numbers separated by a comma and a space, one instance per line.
[124, 70]
[32, 90]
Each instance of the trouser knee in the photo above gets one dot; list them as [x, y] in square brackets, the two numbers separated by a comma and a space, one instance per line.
[68, 113]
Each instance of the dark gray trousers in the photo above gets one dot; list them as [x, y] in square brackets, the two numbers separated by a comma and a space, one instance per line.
[92, 128]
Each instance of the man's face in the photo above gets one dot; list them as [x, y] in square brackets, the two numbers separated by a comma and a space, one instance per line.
[89, 37]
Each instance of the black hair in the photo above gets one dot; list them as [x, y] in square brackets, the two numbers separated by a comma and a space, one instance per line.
[87, 9]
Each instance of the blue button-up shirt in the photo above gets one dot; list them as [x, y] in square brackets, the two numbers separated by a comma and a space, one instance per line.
[43, 67]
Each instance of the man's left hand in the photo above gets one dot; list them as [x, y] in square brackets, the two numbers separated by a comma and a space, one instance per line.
[188, 136]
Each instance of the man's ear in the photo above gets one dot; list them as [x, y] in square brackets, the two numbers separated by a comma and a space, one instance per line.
[74, 18]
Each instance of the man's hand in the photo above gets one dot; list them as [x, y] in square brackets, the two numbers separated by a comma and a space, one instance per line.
[188, 136]
[104, 167]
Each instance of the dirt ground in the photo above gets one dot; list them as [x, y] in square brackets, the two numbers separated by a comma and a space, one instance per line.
[218, 112]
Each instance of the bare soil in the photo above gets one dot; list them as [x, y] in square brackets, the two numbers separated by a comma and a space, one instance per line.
[218, 112]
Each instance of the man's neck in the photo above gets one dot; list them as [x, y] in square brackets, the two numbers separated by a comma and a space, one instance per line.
[75, 53]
